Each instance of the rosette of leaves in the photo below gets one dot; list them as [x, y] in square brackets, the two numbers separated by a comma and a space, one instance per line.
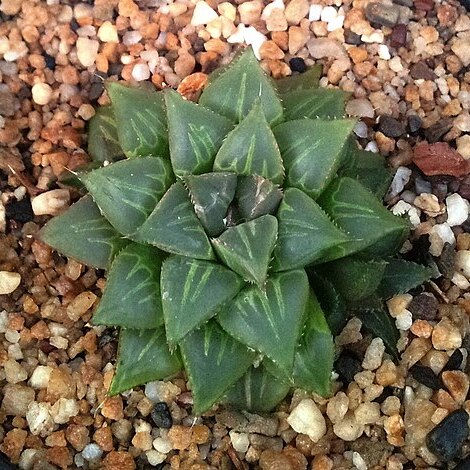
[234, 231]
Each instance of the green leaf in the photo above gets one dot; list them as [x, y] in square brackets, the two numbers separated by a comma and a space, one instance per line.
[332, 304]
[320, 103]
[211, 195]
[303, 81]
[269, 319]
[143, 356]
[246, 248]
[305, 232]
[354, 278]
[313, 362]
[377, 321]
[195, 133]
[257, 391]
[257, 196]
[234, 91]
[84, 234]
[251, 149]
[214, 362]
[368, 168]
[140, 120]
[372, 229]
[312, 151]
[132, 295]
[400, 276]
[174, 227]
[103, 141]
[127, 191]
[193, 292]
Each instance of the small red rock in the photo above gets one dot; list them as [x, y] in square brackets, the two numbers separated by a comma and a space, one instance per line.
[439, 159]
[424, 5]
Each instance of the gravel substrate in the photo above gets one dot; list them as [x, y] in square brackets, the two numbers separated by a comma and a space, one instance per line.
[407, 67]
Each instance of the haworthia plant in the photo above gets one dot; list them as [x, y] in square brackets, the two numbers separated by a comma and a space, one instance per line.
[221, 223]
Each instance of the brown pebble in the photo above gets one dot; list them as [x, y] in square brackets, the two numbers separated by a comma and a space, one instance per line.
[270, 50]
[60, 456]
[77, 436]
[119, 460]
[457, 383]
[113, 408]
[13, 444]
[444, 400]
[272, 460]
[104, 438]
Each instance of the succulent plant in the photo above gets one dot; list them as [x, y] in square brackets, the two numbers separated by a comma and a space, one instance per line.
[237, 232]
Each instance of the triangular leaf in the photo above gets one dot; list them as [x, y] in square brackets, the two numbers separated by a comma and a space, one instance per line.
[372, 229]
[400, 276]
[127, 191]
[314, 357]
[234, 91]
[257, 196]
[302, 81]
[143, 356]
[84, 234]
[368, 168]
[103, 141]
[269, 319]
[257, 391]
[312, 151]
[174, 227]
[140, 120]
[320, 103]
[251, 149]
[193, 292]
[377, 321]
[305, 232]
[211, 195]
[354, 278]
[195, 133]
[132, 295]
[332, 304]
[214, 362]
[246, 248]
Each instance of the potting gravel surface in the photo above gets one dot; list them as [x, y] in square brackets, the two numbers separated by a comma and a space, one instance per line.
[406, 65]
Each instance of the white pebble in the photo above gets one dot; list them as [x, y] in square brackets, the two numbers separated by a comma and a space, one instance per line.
[395, 64]
[39, 417]
[63, 409]
[404, 320]
[279, 4]
[376, 36]
[87, 50]
[161, 391]
[203, 14]
[314, 13]
[439, 235]
[348, 429]
[42, 93]
[108, 32]
[154, 457]
[254, 39]
[92, 451]
[51, 202]
[9, 282]
[238, 36]
[457, 209]
[162, 445]
[240, 441]
[140, 72]
[335, 23]
[462, 262]
[14, 372]
[152, 59]
[131, 37]
[358, 461]
[374, 354]
[360, 107]
[384, 52]
[12, 336]
[360, 129]
[3, 321]
[328, 14]
[40, 377]
[400, 180]
[372, 147]
[460, 281]
[306, 418]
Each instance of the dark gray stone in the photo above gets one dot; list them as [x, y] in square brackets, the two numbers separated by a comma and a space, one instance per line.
[382, 14]
[391, 127]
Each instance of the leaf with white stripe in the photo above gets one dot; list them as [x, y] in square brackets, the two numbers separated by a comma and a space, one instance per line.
[132, 295]
[211, 195]
[251, 149]
[84, 234]
[371, 228]
[193, 292]
[257, 391]
[305, 232]
[319, 103]
[246, 248]
[143, 356]
[103, 140]
[174, 227]
[214, 361]
[127, 191]
[140, 120]
[269, 320]
[312, 151]
[233, 91]
[195, 133]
